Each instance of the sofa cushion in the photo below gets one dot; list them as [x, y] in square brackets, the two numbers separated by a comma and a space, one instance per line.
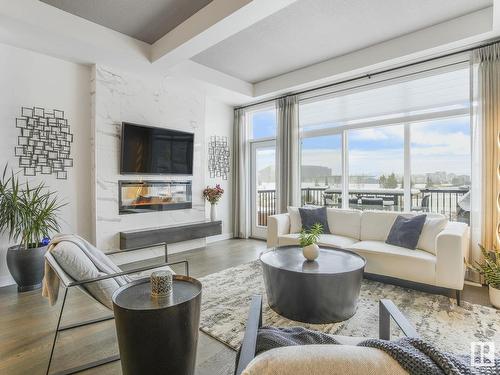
[327, 240]
[434, 224]
[311, 216]
[323, 359]
[375, 225]
[344, 222]
[394, 261]
[405, 231]
[295, 220]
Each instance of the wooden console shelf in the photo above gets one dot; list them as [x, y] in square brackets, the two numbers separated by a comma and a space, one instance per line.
[170, 234]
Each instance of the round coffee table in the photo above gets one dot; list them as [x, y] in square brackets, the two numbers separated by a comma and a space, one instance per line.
[322, 291]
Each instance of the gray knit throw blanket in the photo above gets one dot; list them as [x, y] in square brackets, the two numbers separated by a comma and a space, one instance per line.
[415, 355]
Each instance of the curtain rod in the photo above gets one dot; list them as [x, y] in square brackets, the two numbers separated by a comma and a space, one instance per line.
[369, 75]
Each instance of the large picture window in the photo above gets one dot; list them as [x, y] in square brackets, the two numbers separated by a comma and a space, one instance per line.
[403, 143]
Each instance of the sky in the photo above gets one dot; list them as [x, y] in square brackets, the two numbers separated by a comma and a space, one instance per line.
[440, 145]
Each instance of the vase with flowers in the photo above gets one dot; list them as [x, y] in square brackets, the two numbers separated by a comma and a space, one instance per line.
[213, 195]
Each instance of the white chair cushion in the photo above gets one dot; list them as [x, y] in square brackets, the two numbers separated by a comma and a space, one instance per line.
[323, 359]
[389, 260]
[344, 222]
[434, 224]
[327, 240]
[77, 265]
[295, 220]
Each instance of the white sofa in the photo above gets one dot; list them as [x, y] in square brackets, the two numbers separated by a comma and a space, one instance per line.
[437, 261]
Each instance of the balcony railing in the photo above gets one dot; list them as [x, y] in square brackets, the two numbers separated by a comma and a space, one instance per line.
[452, 202]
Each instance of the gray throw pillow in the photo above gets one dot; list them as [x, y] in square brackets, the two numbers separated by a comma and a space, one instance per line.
[311, 216]
[405, 231]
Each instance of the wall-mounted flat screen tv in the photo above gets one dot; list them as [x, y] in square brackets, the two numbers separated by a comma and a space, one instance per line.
[151, 150]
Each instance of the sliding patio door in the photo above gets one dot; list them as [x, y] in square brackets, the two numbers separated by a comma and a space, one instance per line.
[263, 185]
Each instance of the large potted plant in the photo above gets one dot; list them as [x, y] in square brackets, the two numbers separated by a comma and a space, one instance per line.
[28, 215]
[489, 268]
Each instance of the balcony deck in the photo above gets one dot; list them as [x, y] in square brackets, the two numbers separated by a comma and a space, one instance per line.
[452, 202]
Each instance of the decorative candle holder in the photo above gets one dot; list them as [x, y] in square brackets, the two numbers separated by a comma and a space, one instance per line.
[161, 283]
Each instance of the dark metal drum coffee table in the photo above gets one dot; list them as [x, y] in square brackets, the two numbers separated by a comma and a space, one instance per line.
[158, 335]
[322, 291]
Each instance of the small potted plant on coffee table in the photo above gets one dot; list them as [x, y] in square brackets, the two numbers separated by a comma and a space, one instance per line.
[489, 268]
[308, 241]
[28, 215]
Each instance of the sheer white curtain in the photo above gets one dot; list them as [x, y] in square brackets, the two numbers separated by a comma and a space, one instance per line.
[485, 198]
[241, 205]
[287, 110]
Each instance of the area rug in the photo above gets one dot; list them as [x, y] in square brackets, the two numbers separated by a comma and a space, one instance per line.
[227, 294]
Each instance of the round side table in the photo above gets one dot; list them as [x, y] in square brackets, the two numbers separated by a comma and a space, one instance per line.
[158, 335]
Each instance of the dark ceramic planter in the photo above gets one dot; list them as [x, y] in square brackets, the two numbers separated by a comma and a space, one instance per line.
[26, 267]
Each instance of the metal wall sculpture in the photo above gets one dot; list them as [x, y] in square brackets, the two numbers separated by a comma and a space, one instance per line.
[44, 145]
[218, 157]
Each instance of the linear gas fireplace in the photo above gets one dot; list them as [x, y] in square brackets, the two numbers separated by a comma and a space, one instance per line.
[150, 196]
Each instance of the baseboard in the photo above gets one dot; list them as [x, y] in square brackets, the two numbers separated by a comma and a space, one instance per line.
[6, 280]
[472, 283]
[219, 237]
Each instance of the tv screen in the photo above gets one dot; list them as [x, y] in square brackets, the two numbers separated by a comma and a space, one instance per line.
[150, 150]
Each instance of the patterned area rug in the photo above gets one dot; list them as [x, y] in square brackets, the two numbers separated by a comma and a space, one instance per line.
[227, 294]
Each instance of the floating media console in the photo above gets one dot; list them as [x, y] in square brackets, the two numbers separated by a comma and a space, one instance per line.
[151, 196]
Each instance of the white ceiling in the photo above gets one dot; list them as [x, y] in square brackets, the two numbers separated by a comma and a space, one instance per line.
[311, 31]
[146, 20]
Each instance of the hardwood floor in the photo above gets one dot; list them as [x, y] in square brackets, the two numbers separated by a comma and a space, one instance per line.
[27, 322]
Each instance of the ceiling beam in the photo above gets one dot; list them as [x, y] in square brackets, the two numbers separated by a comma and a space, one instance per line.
[215, 22]
[432, 41]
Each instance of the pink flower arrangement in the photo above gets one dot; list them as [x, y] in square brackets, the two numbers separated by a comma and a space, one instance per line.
[213, 194]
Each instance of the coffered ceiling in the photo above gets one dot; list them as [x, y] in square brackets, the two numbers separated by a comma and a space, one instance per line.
[146, 20]
[248, 50]
[311, 31]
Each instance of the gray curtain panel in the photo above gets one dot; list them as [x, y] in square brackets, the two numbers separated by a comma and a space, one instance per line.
[287, 112]
[240, 179]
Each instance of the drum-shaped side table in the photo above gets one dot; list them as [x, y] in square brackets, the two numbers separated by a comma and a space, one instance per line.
[158, 335]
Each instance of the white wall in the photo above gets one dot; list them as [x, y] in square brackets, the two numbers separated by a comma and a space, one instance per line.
[219, 121]
[31, 79]
[123, 97]
[95, 109]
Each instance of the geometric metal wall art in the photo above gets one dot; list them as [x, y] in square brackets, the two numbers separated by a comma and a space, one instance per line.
[218, 157]
[44, 145]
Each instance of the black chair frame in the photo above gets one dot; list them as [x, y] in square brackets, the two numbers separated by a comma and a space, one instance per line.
[387, 310]
[81, 283]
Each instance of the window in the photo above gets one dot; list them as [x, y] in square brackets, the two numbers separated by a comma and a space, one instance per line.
[262, 140]
[441, 167]
[376, 168]
[262, 123]
[321, 170]
[414, 129]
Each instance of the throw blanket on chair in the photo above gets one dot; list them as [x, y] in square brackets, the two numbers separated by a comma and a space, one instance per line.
[415, 355]
[98, 258]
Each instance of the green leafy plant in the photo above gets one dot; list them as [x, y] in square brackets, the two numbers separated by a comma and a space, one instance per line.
[311, 236]
[27, 213]
[489, 267]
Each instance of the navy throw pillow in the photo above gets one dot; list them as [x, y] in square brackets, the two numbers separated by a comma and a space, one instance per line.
[311, 216]
[405, 231]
